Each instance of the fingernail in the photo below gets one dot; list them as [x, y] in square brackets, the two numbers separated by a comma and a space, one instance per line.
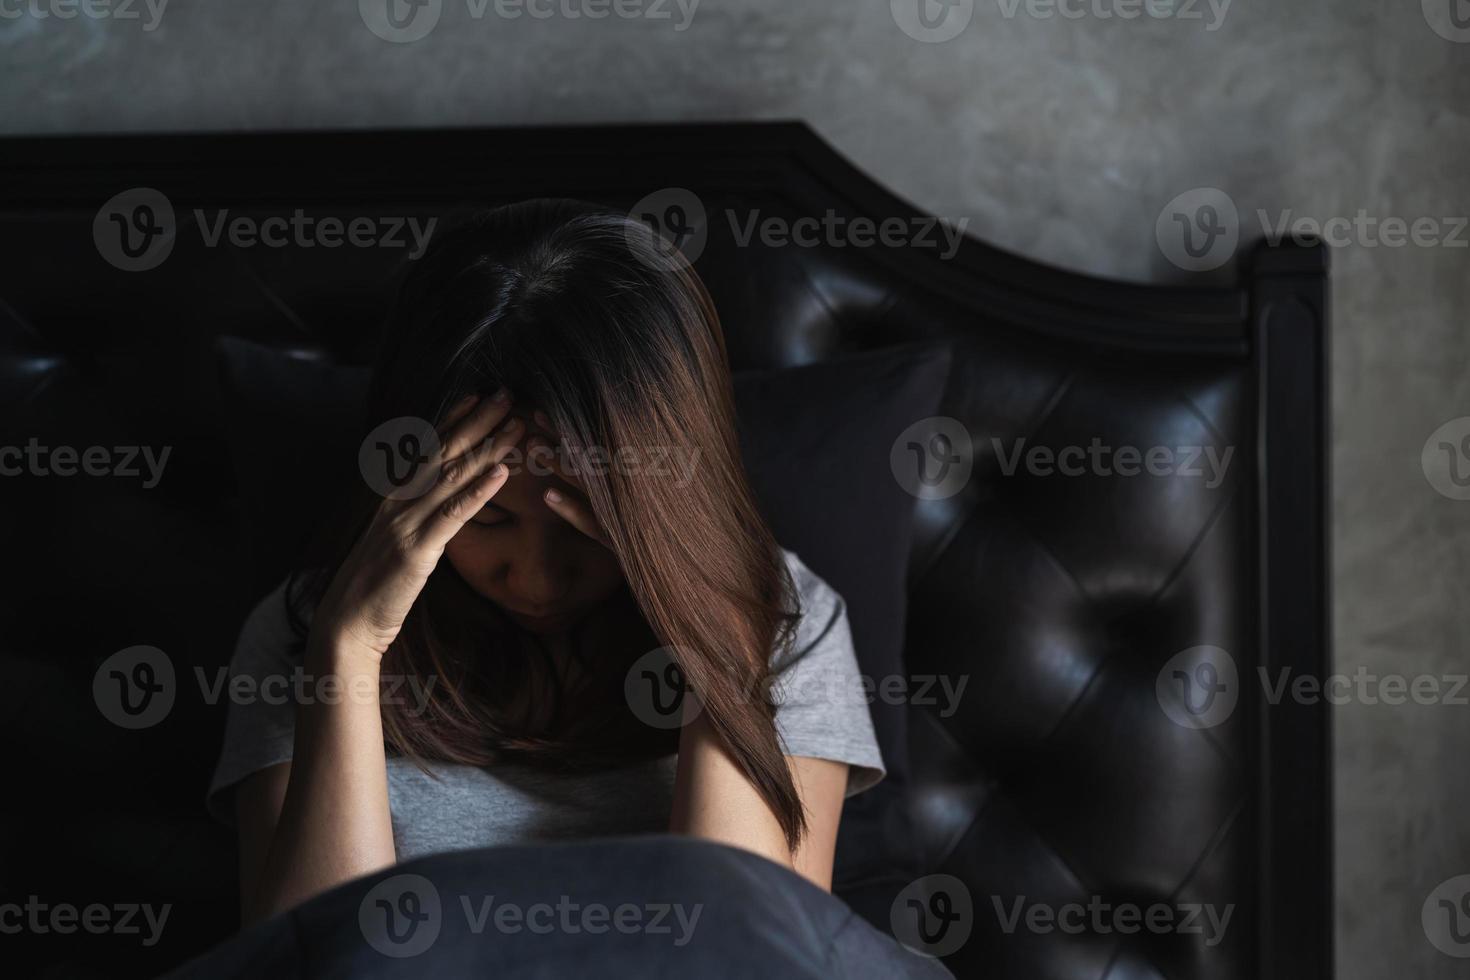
[497, 471]
[502, 396]
[553, 496]
[542, 419]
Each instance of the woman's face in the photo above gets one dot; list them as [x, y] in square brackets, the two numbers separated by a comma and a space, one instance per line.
[523, 556]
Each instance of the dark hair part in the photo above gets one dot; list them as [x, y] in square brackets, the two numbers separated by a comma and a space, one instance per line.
[578, 310]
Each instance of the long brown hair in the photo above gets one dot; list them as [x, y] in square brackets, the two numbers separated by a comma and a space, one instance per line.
[578, 310]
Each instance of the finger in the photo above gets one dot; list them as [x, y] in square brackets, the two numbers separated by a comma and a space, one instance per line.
[554, 459]
[578, 513]
[458, 473]
[456, 412]
[444, 521]
[476, 424]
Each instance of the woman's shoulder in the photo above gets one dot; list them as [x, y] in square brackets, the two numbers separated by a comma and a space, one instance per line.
[810, 587]
[821, 695]
[822, 611]
[270, 633]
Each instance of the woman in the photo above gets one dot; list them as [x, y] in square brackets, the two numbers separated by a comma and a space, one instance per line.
[501, 610]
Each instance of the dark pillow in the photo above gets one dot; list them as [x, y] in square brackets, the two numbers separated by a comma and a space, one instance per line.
[816, 441]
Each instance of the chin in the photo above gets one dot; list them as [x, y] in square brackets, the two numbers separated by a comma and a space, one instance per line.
[555, 623]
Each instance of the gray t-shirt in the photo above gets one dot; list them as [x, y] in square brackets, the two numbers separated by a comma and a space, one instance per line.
[822, 712]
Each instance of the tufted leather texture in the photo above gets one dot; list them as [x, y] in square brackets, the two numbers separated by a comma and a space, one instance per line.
[1057, 778]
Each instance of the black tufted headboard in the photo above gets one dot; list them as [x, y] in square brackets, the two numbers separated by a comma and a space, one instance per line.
[1068, 601]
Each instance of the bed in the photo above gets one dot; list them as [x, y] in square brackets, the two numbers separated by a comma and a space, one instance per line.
[1073, 605]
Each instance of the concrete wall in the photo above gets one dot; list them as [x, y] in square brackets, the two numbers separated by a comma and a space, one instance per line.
[1060, 137]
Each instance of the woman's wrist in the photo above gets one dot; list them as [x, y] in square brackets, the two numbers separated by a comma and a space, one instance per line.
[333, 650]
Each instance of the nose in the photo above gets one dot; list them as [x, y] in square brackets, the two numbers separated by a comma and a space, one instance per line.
[539, 579]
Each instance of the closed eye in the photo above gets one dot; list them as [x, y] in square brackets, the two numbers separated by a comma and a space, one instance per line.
[491, 515]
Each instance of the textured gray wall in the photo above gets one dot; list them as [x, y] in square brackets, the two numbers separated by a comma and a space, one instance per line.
[1061, 138]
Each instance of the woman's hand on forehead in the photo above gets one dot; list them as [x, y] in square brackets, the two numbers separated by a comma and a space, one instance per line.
[568, 500]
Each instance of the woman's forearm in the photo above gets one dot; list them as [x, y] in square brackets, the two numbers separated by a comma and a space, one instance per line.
[335, 821]
[714, 800]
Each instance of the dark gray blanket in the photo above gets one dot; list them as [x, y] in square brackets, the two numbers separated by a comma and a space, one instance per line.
[644, 907]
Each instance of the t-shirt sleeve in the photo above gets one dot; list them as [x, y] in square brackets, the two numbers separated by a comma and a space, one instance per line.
[260, 723]
[821, 704]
